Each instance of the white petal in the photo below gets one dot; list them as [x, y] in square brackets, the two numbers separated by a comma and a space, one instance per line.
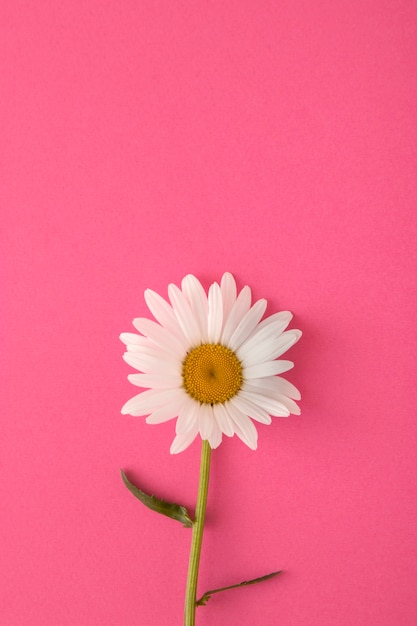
[147, 401]
[160, 336]
[183, 440]
[206, 420]
[290, 404]
[269, 368]
[271, 391]
[138, 344]
[279, 321]
[215, 313]
[150, 349]
[224, 421]
[159, 381]
[243, 427]
[168, 411]
[263, 334]
[266, 346]
[247, 324]
[251, 353]
[215, 438]
[238, 311]
[163, 313]
[196, 296]
[150, 364]
[251, 409]
[130, 338]
[272, 405]
[184, 315]
[274, 385]
[187, 417]
[287, 340]
[228, 287]
[135, 347]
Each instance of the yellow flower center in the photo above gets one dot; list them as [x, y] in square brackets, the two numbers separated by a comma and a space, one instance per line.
[212, 373]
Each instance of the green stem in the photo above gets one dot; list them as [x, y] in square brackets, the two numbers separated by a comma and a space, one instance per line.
[197, 539]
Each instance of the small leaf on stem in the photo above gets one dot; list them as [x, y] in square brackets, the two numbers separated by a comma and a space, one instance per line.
[175, 511]
[206, 596]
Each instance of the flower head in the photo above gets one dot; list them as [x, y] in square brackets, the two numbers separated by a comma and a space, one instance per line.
[210, 362]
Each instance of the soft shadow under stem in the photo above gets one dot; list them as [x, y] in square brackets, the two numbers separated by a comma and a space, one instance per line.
[197, 538]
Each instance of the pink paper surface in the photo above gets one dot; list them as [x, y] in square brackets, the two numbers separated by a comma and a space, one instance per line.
[145, 140]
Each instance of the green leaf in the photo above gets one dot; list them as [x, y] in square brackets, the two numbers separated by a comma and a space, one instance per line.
[175, 511]
[206, 596]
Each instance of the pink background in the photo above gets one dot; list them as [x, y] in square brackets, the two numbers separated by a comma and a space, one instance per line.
[144, 140]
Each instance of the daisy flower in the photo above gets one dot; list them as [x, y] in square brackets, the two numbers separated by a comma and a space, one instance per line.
[210, 361]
